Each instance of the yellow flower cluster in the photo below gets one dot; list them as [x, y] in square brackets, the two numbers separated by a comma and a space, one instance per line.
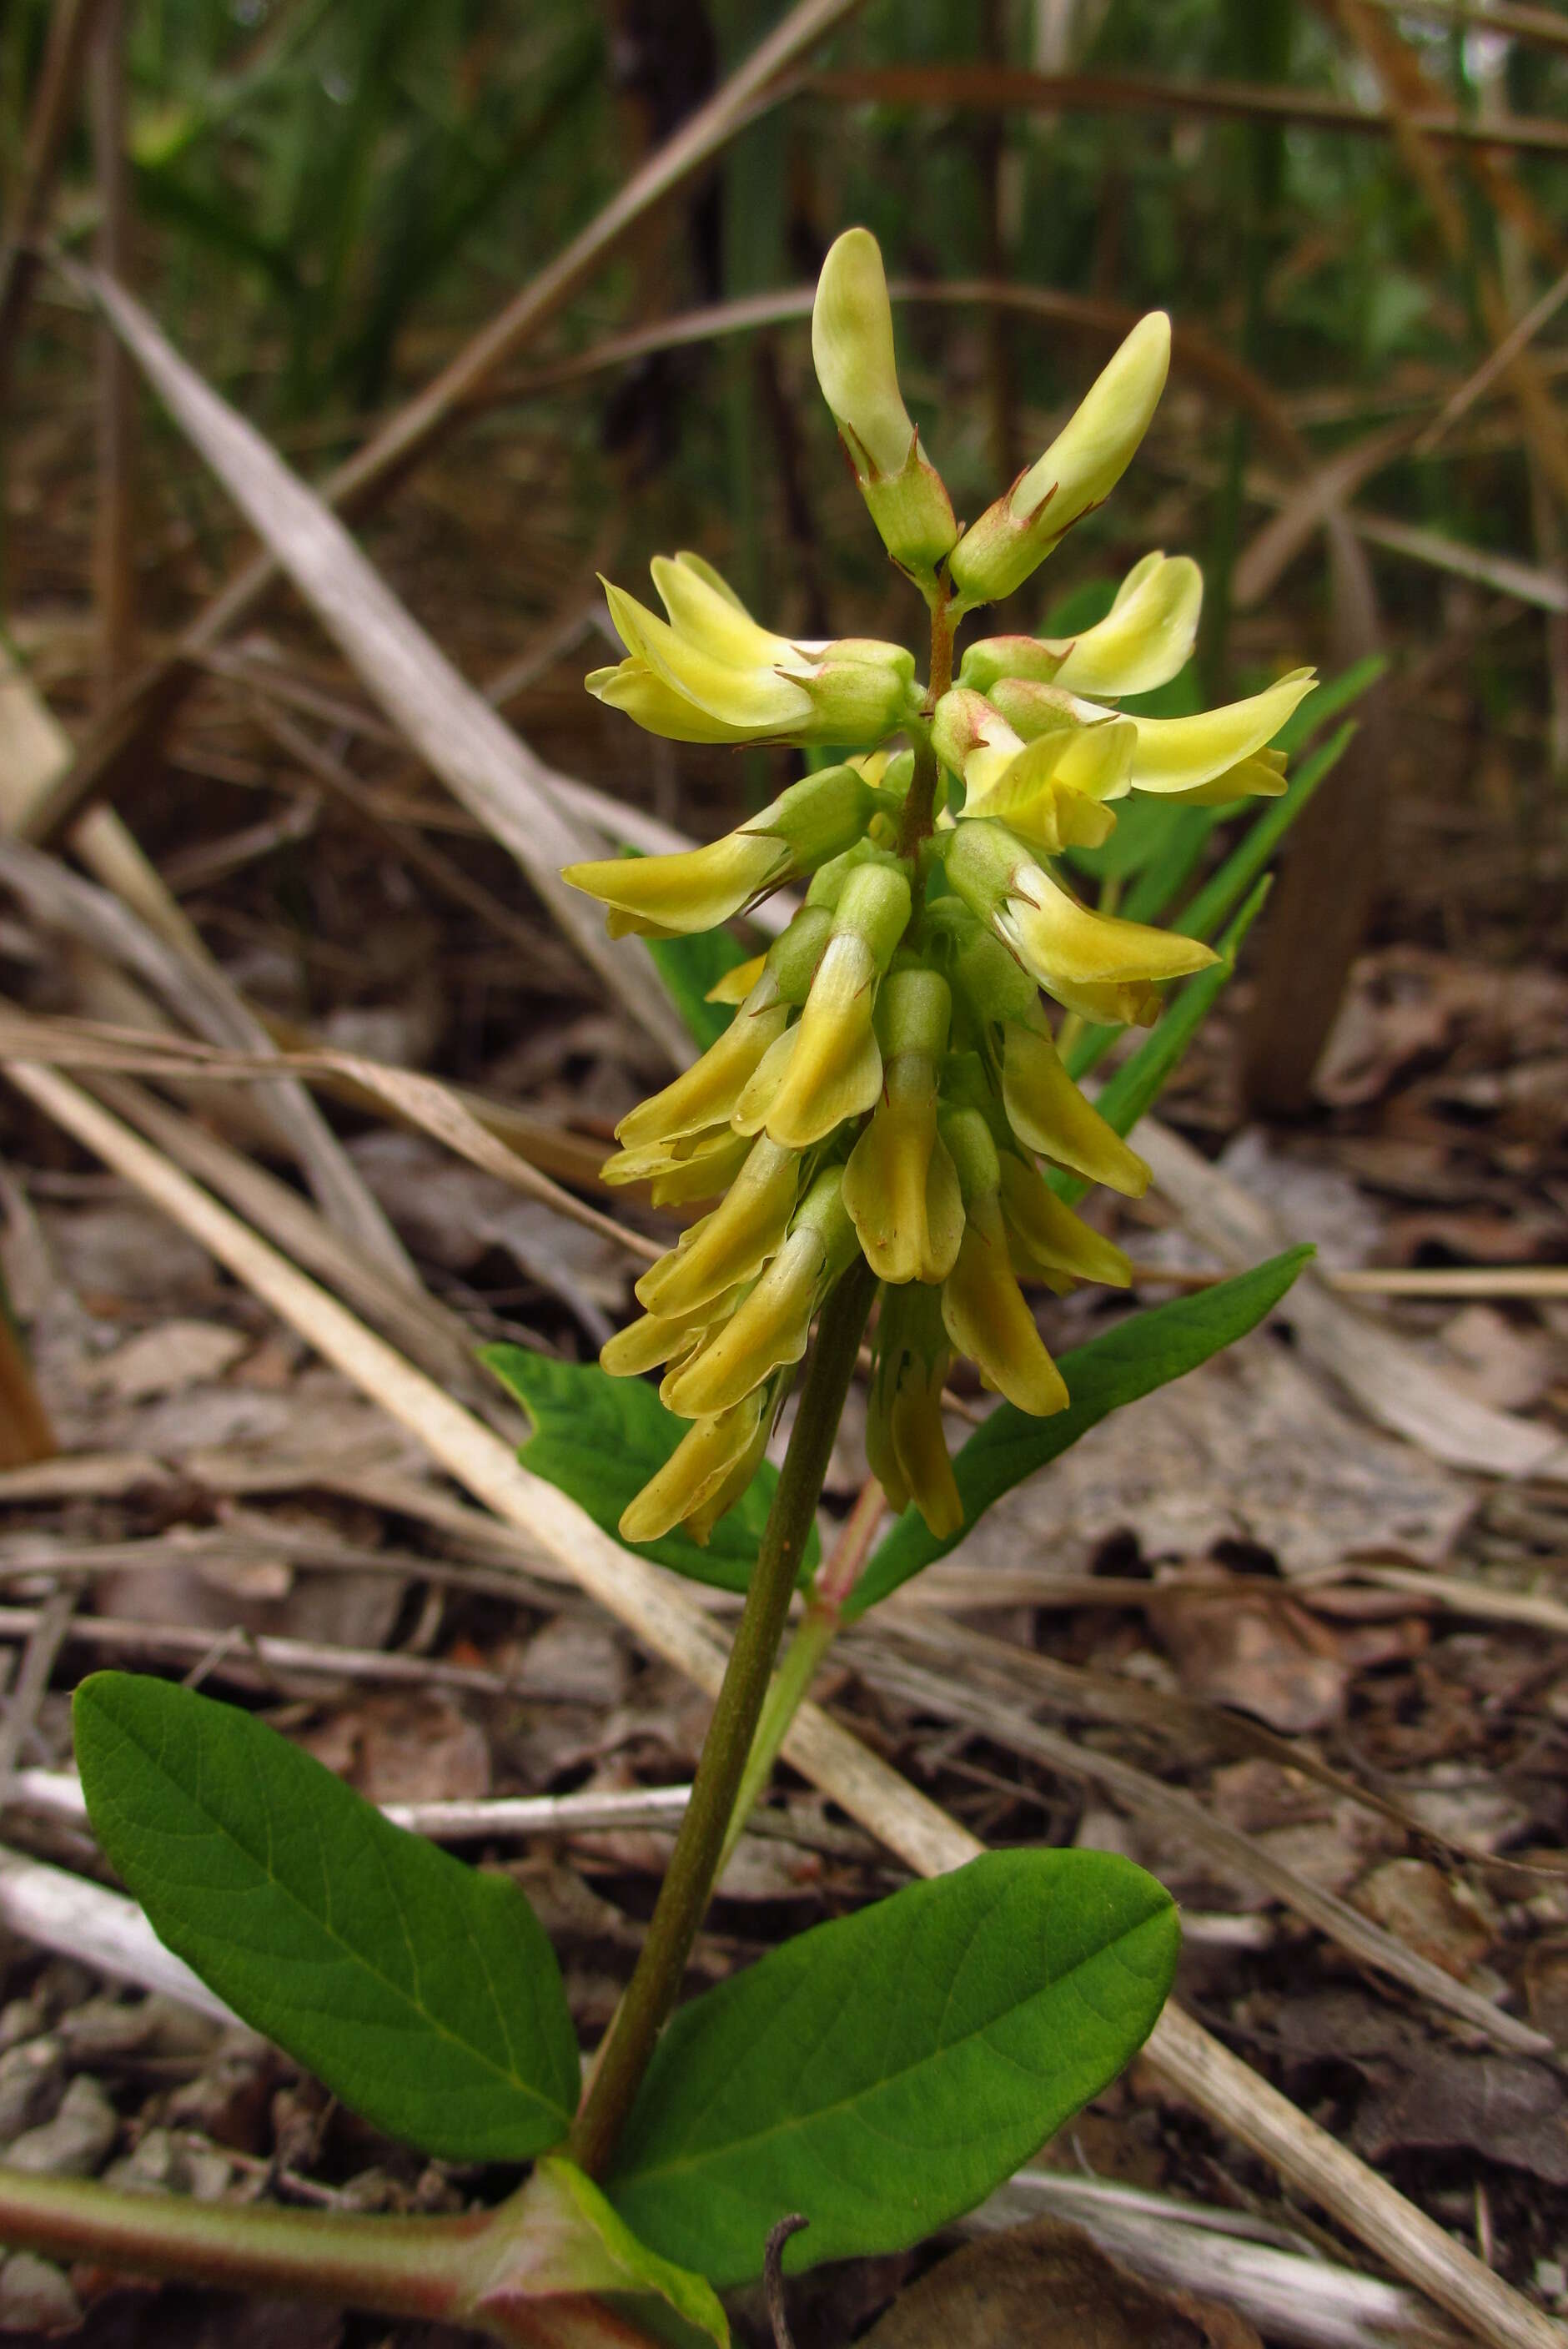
[890, 1081]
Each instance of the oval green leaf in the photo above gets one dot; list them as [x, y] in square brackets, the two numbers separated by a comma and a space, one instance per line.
[884, 2073]
[423, 1994]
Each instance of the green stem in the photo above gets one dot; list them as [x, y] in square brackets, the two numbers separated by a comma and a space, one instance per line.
[818, 1630]
[786, 1694]
[920, 806]
[421, 2268]
[683, 1897]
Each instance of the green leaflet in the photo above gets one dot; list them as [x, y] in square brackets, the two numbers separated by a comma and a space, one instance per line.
[1145, 1351]
[600, 1439]
[884, 2072]
[422, 1992]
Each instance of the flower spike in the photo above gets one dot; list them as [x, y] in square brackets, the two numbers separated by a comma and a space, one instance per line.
[889, 1087]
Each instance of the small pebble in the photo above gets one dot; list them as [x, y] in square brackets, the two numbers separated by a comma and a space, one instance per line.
[163, 2163]
[32, 2081]
[76, 2142]
[36, 2296]
[21, 2018]
[107, 2029]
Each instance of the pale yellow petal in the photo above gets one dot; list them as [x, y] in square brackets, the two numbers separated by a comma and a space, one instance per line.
[633, 688]
[718, 623]
[757, 700]
[706, 1093]
[675, 896]
[1053, 1237]
[1058, 937]
[988, 1320]
[1147, 636]
[734, 1242]
[1178, 754]
[702, 1463]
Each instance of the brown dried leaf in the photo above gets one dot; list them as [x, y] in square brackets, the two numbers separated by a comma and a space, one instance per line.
[405, 1747]
[1047, 2286]
[1242, 1642]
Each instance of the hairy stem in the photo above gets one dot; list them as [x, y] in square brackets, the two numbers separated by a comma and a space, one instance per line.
[684, 1896]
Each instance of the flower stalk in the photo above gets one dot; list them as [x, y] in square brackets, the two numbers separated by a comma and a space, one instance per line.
[699, 1845]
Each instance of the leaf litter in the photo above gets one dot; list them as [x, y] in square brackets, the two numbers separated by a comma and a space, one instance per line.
[1240, 1502]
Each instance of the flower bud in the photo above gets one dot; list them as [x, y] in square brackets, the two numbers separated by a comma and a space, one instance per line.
[828, 1066]
[900, 1185]
[906, 1445]
[770, 1326]
[672, 896]
[1048, 1113]
[1050, 1239]
[851, 348]
[706, 1473]
[1080, 469]
[983, 1306]
[734, 1243]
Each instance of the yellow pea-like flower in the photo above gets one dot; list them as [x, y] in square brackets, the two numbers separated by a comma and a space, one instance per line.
[706, 1093]
[734, 1242]
[853, 351]
[674, 896]
[906, 1445]
[1049, 1238]
[984, 1309]
[828, 1066]
[1048, 1112]
[901, 1186]
[1145, 638]
[770, 1326]
[705, 1475]
[710, 673]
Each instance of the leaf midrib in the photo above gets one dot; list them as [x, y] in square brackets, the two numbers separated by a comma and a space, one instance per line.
[794, 2123]
[433, 2022]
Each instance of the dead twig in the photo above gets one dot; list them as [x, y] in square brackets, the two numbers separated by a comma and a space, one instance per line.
[773, 2276]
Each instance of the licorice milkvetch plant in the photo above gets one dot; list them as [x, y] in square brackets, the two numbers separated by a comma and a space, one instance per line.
[891, 1133]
